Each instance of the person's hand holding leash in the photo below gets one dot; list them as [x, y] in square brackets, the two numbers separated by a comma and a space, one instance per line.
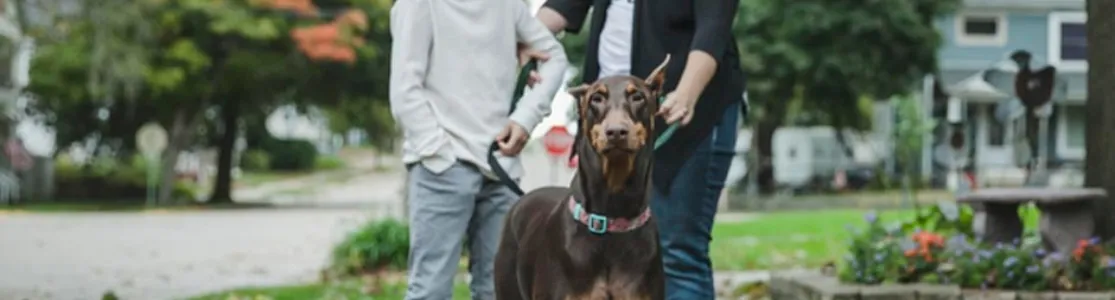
[678, 107]
[525, 55]
[512, 139]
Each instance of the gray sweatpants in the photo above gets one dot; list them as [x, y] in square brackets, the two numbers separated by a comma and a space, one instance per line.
[443, 208]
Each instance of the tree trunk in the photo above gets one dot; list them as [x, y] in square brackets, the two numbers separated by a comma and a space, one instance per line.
[764, 169]
[222, 189]
[1100, 115]
[773, 117]
[179, 137]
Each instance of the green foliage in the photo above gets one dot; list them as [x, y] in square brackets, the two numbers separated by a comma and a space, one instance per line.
[835, 52]
[946, 218]
[328, 163]
[109, 179]
[909, 134]
[255, 160]
[109, 295]
[874, 255]
[367, 114]
[575, 44]
[295, 155]
[378, 246]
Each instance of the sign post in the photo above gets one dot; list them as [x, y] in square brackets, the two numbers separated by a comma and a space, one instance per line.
[151, 139]
[558, 142]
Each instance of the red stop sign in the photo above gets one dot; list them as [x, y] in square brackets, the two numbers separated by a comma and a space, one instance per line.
[558, 141]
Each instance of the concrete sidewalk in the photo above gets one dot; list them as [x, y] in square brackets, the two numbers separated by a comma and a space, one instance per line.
[164, 255]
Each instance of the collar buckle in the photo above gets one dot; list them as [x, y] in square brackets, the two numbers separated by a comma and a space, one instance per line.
[597, 224]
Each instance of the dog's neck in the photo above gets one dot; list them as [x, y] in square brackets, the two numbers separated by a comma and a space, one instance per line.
[604, 192]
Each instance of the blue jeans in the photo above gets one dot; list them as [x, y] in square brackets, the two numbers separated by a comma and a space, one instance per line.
[685, 216]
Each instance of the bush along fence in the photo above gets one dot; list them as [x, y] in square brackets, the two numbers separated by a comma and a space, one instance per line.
[933, 257]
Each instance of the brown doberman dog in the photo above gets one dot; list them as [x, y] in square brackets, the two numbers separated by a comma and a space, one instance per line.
[596, 239]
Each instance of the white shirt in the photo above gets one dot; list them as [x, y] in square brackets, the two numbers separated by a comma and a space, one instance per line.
[453, 70]
[615, 39]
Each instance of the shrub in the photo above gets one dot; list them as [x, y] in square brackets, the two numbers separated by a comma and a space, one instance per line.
[328, 163]
[108, 179]
[294, 155]
[255, 160]
[377, 246]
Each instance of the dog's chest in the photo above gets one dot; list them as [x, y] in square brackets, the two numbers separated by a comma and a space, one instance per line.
[615, 288]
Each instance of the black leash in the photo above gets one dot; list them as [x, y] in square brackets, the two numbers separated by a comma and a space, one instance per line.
[520, 87]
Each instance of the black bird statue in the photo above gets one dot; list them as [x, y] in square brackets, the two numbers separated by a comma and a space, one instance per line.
[1033, 88]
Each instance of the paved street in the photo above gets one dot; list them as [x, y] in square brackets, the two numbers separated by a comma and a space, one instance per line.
[163, 255]
[169, 255]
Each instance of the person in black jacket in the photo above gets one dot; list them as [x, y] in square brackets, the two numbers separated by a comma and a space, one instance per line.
[705, 90]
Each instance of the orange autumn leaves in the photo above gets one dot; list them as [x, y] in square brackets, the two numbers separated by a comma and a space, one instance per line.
[302, 7]
[925, 242]
[332, 41]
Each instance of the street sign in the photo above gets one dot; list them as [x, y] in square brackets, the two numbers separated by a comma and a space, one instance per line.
[558, 141]
[151, 140]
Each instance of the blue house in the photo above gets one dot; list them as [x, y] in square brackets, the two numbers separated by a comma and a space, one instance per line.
[980, 36]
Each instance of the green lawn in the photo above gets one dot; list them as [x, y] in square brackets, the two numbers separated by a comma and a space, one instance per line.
[350, 290]
[808, 239]
[788, 239]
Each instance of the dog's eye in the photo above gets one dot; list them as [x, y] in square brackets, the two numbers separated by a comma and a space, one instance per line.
[638, 98]
[597, 99]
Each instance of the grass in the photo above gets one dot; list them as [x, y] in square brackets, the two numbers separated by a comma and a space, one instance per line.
[788, 239]
[325, 163]
[349, 290]
[800, 238]
[77, 206]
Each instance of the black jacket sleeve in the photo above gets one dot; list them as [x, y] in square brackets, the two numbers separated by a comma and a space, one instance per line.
[574, 11]
[714, 26]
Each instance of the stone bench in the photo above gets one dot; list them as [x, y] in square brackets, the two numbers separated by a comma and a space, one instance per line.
[800, 285]
[1066, 214]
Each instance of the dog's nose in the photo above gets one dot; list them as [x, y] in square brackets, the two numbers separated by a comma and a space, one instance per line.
[616, 132]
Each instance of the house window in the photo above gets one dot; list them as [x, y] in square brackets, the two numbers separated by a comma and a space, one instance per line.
[1068, 40]
[1074, 41]
[981, 29]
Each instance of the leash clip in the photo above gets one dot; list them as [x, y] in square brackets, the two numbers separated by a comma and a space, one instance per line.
[597, 224]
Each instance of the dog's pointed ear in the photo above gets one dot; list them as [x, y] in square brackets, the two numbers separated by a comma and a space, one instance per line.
[577, 91]
[657, 77]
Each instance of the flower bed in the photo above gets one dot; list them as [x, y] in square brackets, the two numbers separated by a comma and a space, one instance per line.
[934, 257]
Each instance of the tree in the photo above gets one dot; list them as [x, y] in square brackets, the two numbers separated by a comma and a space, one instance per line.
[1100, 116]
[828, 55]
[259, 59]
[171, 61]
[356, 96]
